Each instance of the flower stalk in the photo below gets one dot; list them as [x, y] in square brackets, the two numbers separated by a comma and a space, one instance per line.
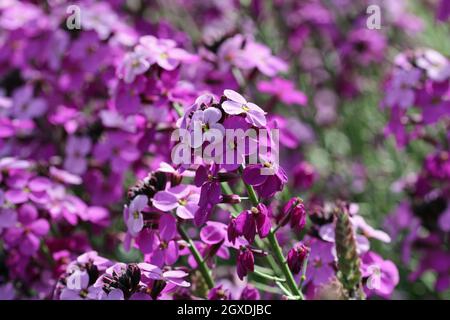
[290, 281]
[202, 267]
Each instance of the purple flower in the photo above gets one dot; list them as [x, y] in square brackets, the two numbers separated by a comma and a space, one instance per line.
[382, 275]
[204, 120]
[163, 52]
[133, 214]
[213, 232]
[443, 10]
[117, 148]
[265, 184]
[8, 218]
[236, 104]
[320, 263]
[64, 176]
[259, 56]
[134, 64]
[183, 198]
[25, 106]
[294, 211]
[7, 291]
[165, 250]
[78, 287]
[77, 148]
[249, 293]
[114, 294]
[209, 194]
[27, 235]
[296, 257]
[219, 293]
[245, 262]
[173, 277]
[283, 90]
[64, 205]
[435, 64]
[253, 221]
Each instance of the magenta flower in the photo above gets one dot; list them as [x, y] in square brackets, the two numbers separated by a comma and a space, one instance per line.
[294, 212]
[249, 293]
[213, 232]
[7, 291]
[443, 10]
[265, 184]
[245, 262]
[163, 52]
[118, 149]
[64, 176]
[209, 194]
[134, 64]
[320, 263]
[304, 175]
[202, 122]
[236, 104]
[251, 222]
[174, 277]
[382, 275]
[284, 90]
[25, 106]
[22, 189]
[27, 235]
[77, 149]
[8, 218]
[79, 289]
[183, 198]
[133, 214]
[64, 205]
[165, 247]
[259, 56]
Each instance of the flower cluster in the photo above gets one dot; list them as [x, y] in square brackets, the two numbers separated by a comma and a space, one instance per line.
[219, 150]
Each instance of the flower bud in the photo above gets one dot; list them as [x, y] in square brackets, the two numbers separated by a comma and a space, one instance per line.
[232, 232]
[296, 257]
[298, 217]
[245, 262]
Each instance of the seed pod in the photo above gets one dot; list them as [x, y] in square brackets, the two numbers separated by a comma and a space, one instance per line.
[348, 259]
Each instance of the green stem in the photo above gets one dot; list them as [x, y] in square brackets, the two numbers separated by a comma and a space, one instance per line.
[284, 267]
[238, 209]
[178, 109]
[268, 276]
[198, 258]
[276, 248]
[303, 278]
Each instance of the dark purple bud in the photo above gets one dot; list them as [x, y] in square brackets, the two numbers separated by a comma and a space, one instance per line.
[232, 233]
[298, 216]
[296, 257]
[245, 262]
[246, 225]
